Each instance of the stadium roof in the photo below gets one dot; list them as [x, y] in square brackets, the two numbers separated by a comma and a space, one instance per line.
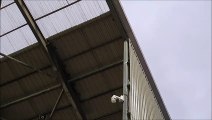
[63, 59]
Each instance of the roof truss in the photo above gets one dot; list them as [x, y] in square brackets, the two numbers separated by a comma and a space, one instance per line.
[53, 58]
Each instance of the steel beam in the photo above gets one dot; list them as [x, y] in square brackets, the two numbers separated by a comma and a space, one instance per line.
[100, 94]
[8, 32]
[39, 17]
[107, 115]
[19, 62]
[112, 8]
[6, 5]
[58, 9]
[125, 111]
[33, 26]
[81, 77]
[67, 59]
[54, 58]
[55, 105]
[26, 65]
[21, 77]
[126, 81]
[83, 100]
[30, 96]
[49, 112]
[51, 89]
[94, 48]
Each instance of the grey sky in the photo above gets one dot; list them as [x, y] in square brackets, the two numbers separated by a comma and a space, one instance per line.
[175, 37]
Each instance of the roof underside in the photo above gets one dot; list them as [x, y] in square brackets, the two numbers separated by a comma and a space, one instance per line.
[93, 45]
[84, 48]
[89, 42]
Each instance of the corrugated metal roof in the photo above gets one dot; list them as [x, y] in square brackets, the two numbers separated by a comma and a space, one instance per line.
[101, 105]
[65, 114]
[11, 19]
[6, 2]
[52, 17]
[36, 106]
[90, 48]
[99, 83]
[43, 7]
[143, 103]
[117, 115]
[83, 48]
[11, 92]
[11, 70]
[17, 40]
[19, 111]
[73, 15]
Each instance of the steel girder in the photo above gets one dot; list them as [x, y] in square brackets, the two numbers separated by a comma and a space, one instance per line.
[54, 58]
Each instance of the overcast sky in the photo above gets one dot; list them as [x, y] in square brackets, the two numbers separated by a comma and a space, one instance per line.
[175, 37]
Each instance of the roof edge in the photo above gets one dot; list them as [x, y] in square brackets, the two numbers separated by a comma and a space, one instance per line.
[120, 15]
[79, 26]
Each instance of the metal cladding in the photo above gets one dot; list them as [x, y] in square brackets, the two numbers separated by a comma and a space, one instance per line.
[143, 104]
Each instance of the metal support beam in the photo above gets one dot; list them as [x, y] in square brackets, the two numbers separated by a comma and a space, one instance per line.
[30, 96]
[112, 7]
[18, 61]
[100, 94]
[32, 24]
[83, 100]
[54, 58]
[81, 77]
[58, 100]
[26, 65]
[115, 64]
[126, 81]
[49, 112]
[126, 31]
[124, 27]
[21, 77]
[94, 48]
[125, 61]
[67, 59]
[6, 5]
[38, 17]
[107, 115]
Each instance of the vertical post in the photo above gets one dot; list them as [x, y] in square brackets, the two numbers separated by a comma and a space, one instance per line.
[125, 81]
